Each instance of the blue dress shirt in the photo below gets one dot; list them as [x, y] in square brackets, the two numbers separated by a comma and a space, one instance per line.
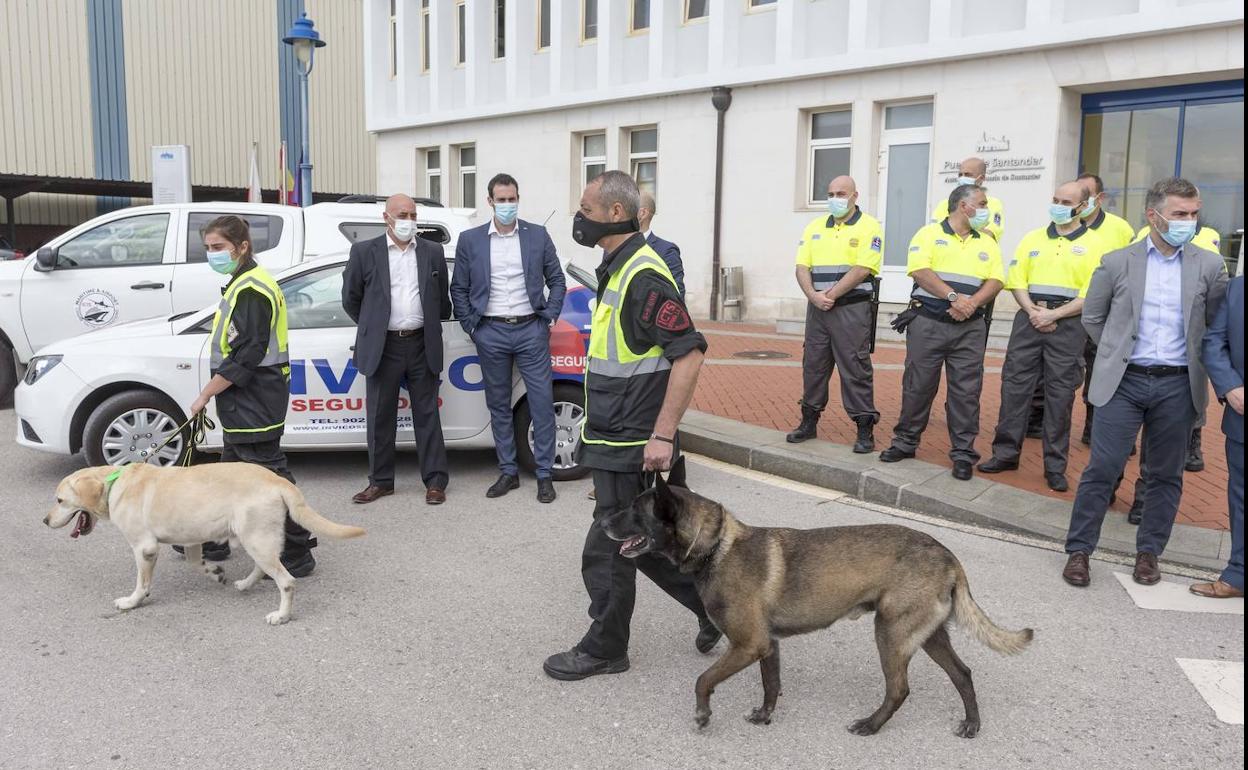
[1161, 338]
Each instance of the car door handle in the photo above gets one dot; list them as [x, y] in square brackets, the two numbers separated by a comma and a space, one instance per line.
[147, 285]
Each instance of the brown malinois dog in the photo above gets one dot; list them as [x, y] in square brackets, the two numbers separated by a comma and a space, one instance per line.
[760, 584]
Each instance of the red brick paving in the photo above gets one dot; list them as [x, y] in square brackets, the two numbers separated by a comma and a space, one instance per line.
[767, 396]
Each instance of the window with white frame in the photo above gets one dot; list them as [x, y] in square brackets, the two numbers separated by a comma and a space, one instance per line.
[828, 157]
[638, 15]
[432, 161]
[643, 157]
[394, 39]
[461, 32]
[500, 28]
[593, 156]
[543, 24]
[468, 176]
[696, 9]
[589, 20]
[425, 27]
[752, 4]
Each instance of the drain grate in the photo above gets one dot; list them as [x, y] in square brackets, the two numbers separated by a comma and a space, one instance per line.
[761, 355]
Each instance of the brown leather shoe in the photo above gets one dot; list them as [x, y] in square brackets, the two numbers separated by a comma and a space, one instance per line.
[1218, 589]
[371, 493]
[1146, 572]
[435, 496]
[1077, 572]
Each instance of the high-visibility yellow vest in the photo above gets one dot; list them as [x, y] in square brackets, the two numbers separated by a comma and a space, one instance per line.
[624, 390]
[260, 407]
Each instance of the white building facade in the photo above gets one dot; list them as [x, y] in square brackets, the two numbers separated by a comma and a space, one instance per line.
[892, 92]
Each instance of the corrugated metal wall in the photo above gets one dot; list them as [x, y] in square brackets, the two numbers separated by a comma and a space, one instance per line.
[344, 153]
[45, 92]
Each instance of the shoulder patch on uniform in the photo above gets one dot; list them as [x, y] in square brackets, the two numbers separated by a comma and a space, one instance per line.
[877, 243]
[801, 243]
[1034, 253]
[1013, 262]
[942, 242]
[673, 317]
[916, 248]
[996, 219]
[647, 309]
[815, 236]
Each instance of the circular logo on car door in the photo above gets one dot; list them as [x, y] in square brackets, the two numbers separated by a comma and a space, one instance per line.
[96, 308]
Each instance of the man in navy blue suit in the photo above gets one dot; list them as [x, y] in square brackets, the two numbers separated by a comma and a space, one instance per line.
[507, 292]
[1223, 356]
[669, 251]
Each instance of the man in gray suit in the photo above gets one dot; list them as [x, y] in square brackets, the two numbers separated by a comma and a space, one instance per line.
[1146, 310]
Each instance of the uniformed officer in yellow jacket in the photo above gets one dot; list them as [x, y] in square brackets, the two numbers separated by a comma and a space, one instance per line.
[974, 171]
[957, 274]
[250, 368]
[837, 258]
[1049, 277]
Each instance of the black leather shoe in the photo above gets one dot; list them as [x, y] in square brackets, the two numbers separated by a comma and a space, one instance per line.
[963, 470]
[708, 636]
[894, 455]
[1056, 481]
[505, 484]
[545, 491]
[299, 565]
[1136, 514]
[1195, 456]
[993, 465]
[573, 665]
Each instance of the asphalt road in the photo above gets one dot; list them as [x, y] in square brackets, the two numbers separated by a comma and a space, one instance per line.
[421, 645]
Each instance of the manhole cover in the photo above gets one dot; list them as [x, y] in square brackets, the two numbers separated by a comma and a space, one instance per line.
[761, 354]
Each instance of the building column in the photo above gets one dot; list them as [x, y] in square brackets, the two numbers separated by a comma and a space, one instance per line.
[791, 31]
[723, 38]
[859, 25]
[665, 19]
[563, 41]
[939, 21]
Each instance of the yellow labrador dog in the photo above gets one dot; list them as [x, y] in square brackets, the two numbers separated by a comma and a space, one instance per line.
[244, 503]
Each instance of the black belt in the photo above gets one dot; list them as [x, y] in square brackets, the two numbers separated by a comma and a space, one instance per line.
[851, 299]
[1051, 304]
[1157, 371]
[942, 315]
[404, 332]
[510, 319]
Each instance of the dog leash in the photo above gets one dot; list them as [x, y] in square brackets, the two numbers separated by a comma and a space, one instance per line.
[199, 425]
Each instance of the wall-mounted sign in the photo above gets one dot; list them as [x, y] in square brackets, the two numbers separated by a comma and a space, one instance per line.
[171, 174]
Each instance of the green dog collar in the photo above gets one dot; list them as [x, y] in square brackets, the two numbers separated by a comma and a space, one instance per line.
[110, 478]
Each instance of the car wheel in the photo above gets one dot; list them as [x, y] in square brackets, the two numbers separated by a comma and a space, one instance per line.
[131, 427]
[8, 374]
[569, 413]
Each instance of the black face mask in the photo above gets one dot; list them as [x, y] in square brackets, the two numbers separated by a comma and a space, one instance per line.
[587, 232]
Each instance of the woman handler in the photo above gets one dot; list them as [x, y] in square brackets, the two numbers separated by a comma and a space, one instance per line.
[250, 371]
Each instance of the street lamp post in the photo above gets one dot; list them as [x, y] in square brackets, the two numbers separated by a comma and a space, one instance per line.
[305, 40]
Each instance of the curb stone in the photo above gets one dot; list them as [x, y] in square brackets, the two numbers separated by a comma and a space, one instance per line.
[929, 489]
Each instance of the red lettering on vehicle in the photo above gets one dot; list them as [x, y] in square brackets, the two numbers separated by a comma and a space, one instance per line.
[298, 405]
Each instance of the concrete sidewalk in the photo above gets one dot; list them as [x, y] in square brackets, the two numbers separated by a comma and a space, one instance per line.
[929, 489]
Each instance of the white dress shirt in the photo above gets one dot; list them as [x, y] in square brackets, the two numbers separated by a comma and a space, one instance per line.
[406, 312]
[508, 295]
[1161, 338]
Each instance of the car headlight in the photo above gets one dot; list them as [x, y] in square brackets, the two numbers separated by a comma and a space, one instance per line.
[39, 366]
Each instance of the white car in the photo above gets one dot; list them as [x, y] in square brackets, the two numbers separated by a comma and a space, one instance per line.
[118, 393]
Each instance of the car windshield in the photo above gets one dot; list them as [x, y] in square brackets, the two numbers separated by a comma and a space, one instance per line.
[583, 277]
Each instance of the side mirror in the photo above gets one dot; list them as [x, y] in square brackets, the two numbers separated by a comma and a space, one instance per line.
[45, 259]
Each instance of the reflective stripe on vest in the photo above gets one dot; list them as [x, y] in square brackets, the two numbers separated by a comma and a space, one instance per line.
[963, 284]
[825, 277]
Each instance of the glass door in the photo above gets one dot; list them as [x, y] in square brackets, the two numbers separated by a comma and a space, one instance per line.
[904, 169]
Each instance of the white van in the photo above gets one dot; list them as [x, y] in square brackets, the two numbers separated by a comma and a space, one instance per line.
[148, 261]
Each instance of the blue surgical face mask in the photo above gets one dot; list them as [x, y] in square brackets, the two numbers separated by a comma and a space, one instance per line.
[966, 180]
[980, 220]
[1061, 215]
[838, 207]
[222, 261]
[1090, 209]
[1179, 231]
[506, 213]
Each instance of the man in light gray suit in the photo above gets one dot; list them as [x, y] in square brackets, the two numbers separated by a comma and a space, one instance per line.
[1146, 310]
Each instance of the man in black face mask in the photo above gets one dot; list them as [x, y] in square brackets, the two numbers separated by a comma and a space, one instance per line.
[643, 362]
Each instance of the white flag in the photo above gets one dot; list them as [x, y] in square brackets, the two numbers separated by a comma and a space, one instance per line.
[253, 180]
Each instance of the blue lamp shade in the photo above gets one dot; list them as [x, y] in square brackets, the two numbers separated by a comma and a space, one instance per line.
[303, 30]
